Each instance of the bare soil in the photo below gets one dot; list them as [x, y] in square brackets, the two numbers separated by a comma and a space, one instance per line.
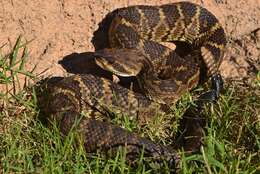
[59, 28]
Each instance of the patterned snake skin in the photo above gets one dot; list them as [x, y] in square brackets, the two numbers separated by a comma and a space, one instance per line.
[134, 47]
[97, 98]
[143, 28]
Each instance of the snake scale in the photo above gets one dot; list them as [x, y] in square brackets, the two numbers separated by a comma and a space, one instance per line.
[135, 35]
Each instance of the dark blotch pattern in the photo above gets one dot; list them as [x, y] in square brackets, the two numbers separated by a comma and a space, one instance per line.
[120, 97]
[188, 10]
[153, 49]
[94, 86]
[206, 20]
[172, 14]
[128, 36]
[218, 36]
[168, 86]
[131, 14]
[214, 51]
[63, 100]
[152, 20]
[70, 84]
[182, 76]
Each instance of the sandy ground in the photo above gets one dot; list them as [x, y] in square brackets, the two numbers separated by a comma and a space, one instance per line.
[60, 28]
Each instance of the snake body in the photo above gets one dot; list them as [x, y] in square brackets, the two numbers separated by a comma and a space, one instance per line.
[143, 28]
[134, 49]
[96, 98]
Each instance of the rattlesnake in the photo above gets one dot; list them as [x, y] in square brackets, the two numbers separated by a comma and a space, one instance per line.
[134, 49]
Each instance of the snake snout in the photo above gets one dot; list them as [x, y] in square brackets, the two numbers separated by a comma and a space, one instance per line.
[121, 62]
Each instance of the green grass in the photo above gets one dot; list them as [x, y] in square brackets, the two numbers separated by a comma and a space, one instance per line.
[232, 144]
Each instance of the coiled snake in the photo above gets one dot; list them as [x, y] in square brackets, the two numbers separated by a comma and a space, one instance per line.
[135, 35]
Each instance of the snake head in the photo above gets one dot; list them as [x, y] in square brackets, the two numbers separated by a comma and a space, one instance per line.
[121, 62]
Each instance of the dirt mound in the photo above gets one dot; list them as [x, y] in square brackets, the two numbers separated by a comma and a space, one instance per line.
[59, 28]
